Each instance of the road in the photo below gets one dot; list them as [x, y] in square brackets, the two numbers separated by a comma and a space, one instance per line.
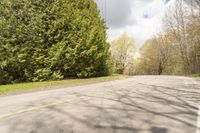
[139, 104]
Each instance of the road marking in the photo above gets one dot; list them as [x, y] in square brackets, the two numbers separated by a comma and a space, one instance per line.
[32, 109]
[198, 121]
[45, 106]
[40, 107]
[198, 113]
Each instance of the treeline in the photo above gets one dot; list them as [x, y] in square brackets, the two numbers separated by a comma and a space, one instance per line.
[176, 50]
[51, 39]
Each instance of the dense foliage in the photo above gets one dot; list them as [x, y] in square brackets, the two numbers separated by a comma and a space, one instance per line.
[51, 39]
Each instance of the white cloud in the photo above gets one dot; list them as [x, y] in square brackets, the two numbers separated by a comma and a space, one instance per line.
[138, 18]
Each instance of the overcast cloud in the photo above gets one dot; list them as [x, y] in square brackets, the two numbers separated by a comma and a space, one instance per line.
[138, 18]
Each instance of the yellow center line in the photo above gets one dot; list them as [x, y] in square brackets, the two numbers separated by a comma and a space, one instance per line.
[77, 98]
[40, 107]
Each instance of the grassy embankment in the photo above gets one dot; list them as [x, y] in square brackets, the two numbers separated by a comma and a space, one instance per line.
[195, 75]
[54, 84]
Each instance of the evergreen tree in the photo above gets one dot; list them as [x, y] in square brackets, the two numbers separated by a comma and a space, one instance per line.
[51, 39]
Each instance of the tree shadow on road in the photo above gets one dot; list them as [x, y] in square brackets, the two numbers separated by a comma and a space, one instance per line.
[124, 110]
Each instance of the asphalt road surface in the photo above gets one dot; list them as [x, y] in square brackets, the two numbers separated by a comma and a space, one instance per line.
[140, 104]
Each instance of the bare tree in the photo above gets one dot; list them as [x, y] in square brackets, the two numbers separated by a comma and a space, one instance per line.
[163, 51]
[122, 52]
[175, 20]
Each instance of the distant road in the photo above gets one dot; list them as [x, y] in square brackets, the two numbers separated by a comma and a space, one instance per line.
[140, 104]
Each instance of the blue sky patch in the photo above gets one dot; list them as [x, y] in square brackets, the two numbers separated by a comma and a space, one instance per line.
[166, 1]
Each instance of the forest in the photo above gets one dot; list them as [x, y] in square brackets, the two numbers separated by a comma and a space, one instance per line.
[173, 51]
[62, 39]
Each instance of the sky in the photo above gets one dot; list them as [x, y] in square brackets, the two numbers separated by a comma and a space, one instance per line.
[140, 19]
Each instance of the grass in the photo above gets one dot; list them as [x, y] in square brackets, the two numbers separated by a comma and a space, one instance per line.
[197, 75]
[53, 84]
